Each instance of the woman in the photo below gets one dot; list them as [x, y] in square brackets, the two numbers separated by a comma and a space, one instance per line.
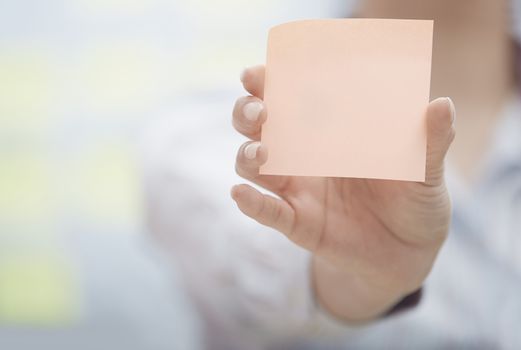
[361, 250]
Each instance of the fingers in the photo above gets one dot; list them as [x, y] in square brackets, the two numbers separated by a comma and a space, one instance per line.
[440, 134]
[250, 157]
[249, 112]
[265, 209]
[248, 116]
[253, 80]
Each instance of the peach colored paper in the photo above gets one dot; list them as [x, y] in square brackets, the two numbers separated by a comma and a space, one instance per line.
[347, 98]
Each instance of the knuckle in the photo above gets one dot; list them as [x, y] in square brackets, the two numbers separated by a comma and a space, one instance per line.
[241, 170]
[247, 173]
[261, 209]
[276, 213]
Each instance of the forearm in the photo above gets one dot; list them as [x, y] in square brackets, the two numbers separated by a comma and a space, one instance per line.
[347, 297]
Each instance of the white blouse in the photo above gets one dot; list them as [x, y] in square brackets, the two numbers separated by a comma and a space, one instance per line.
[251, 285]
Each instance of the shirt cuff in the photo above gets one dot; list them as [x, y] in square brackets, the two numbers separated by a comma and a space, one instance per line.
[409, 302]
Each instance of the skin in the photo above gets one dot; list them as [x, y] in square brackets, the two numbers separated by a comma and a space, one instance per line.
[474, 63]
[375, 241]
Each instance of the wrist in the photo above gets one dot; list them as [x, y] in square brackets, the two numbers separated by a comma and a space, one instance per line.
[353, 297]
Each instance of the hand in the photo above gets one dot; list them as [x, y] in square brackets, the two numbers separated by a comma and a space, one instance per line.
[373, 241]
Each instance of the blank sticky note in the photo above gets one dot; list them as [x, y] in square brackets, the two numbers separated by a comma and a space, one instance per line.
[347, 98]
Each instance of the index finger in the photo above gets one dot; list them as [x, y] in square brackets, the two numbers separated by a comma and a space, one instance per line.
[253, 80]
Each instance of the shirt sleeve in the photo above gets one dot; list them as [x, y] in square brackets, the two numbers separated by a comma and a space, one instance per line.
[239, 273]
[247, 281]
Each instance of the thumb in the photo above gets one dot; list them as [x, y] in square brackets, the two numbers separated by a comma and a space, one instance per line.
[440, 134]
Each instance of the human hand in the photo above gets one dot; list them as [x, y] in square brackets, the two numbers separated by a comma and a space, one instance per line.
[373, 241]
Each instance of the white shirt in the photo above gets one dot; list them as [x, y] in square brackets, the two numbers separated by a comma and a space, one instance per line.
[251, 285]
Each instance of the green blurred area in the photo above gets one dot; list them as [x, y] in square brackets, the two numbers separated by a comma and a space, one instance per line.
[79, 81]
[72, 101]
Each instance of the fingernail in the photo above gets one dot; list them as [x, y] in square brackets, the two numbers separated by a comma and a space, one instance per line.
[250, 152]
[252, 111]
[452, 109]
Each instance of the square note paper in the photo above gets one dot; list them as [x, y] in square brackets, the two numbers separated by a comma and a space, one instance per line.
[347, 98]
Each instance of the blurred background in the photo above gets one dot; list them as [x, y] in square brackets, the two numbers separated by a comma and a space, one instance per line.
[79, 82]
